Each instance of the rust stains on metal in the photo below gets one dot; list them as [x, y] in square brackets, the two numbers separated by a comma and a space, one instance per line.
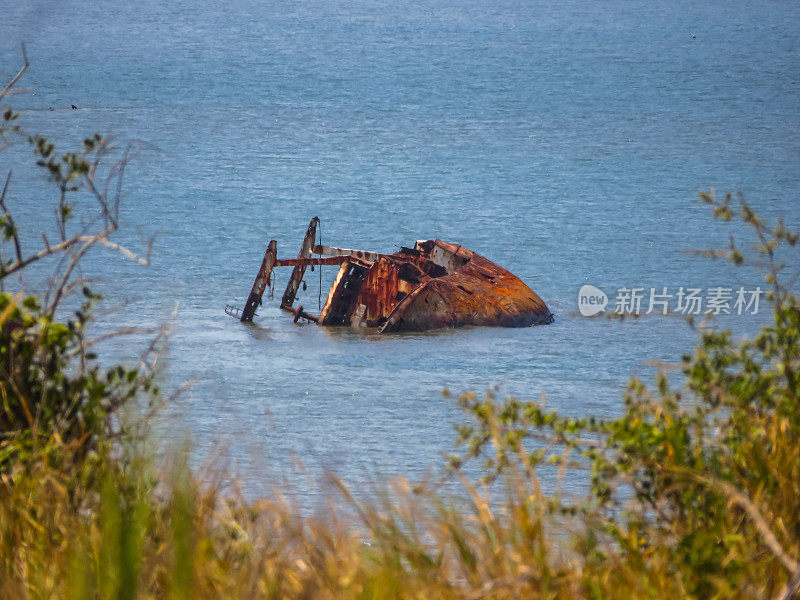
[360, 254]
[326, 260]
[261, 282]
[433, 285]
[473, 291]
[299, 270]
[299, 313]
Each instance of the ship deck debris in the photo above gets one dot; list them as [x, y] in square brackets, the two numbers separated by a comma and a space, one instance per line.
[433, 285]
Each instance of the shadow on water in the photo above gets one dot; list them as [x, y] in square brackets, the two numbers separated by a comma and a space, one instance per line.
[348, 334]
[257, 332]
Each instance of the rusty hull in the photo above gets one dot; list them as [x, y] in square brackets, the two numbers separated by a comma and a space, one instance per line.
[475, 291]
[430, 286]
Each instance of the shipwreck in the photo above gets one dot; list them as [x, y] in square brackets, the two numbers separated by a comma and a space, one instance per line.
[433, 285]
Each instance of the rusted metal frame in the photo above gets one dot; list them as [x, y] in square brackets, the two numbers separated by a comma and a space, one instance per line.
[299, 313]
[360, 254]
[397, 312]
[335, 291]
[327, 260]
[324, 315]
[299, 270]
[261, 282]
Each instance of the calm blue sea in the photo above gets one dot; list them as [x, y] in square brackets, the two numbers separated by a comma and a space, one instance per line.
[567, 141]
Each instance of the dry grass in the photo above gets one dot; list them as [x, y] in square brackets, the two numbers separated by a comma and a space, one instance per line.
[101, 529]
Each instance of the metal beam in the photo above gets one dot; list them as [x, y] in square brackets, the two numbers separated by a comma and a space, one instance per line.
[299, 270]
[299, 313]
[327, 260]
[261, 282]
[334, 251]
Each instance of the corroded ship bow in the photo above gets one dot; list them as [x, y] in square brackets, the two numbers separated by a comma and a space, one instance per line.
[432, 285]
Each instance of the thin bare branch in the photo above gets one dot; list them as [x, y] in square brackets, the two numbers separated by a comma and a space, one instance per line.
[18, 91]
[768, 537]
[72, 286]
[152, 354]
[187, 385]
[18, 75]
[50, 250]
[89, 242]
[121, 167]
[99, 197]
[122, 331]
[61, 222]
[102, 312]
[707, 252]
[791, 591]
[61, 286]
[101, 238]
[127, 253]
[15, 236]
[563, 440]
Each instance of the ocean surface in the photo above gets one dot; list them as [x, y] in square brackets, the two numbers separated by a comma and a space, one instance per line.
[566, 141]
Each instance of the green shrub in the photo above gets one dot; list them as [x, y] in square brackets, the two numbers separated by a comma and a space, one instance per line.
[51, 388]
